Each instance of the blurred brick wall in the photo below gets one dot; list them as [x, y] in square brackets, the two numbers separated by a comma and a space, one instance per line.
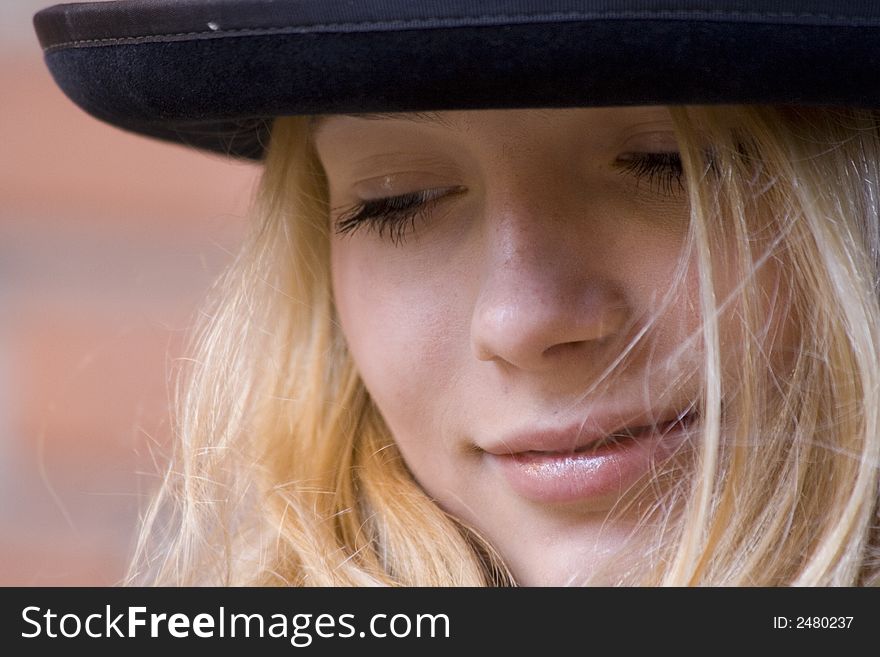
[107, 243]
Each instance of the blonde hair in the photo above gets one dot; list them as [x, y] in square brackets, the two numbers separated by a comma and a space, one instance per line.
[285, 473]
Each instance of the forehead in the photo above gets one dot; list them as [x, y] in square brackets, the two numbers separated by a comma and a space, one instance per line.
[445, 119]
[318, 121]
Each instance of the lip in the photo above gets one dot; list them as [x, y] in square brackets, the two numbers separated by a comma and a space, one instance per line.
[603, 456]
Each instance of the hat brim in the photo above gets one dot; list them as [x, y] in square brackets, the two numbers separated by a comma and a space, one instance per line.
[214, 73]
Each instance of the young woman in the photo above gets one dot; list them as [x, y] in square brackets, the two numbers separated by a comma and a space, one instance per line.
[614, 342]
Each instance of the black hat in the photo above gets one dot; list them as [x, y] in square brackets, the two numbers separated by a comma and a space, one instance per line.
[213, 73]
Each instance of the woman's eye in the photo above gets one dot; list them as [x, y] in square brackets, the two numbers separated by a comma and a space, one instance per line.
[393, 217]
[663, 171]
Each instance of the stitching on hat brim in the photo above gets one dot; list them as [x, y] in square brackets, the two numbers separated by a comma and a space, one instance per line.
[487, 20]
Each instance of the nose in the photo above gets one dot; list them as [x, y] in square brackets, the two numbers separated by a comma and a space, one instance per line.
[548, 294]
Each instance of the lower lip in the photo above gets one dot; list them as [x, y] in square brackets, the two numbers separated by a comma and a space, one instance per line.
[611, 469]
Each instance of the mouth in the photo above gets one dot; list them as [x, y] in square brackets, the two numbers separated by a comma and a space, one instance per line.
[587, 463]
[594, 433]
[682, 421]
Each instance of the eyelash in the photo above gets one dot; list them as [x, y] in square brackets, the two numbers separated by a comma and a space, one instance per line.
[663, 170]
[397, 215]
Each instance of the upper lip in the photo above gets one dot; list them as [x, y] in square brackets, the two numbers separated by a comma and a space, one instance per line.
[573, 437]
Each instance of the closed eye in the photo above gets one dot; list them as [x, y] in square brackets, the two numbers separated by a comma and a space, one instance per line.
[395, 217]
[663, 171]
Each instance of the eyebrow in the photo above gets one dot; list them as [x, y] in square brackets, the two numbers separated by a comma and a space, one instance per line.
[318, 121]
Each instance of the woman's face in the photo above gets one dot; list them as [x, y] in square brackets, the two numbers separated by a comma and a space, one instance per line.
[527, 250]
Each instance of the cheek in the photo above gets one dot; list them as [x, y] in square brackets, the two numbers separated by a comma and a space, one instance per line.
[778, 326]
[757, 314]
[400, 327]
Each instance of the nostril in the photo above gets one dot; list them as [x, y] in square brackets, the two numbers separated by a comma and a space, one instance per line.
[563, 348]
